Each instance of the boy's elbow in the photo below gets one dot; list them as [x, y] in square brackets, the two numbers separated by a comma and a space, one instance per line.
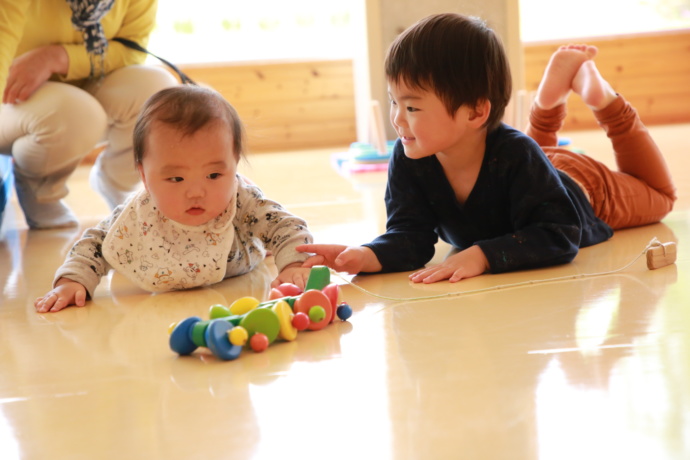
[569, 256]
[568, 251]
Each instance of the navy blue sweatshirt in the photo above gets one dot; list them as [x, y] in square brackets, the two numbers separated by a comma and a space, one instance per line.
[522, 212]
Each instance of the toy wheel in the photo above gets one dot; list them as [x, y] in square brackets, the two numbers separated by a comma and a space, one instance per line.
[262, 320]
[332, 291]
[310, 299]
[181, 337]
[287, 330]
[243, 305]
[218, 341]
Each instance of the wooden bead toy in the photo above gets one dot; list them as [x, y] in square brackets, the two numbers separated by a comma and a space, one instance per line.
[248, 322]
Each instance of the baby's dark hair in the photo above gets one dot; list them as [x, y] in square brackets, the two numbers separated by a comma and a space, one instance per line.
[189, 109]
[457, 57]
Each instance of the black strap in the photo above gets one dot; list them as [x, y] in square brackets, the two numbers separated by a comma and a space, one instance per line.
[136, 46]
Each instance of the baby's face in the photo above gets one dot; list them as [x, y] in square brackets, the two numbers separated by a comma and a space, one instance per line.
[190, 178]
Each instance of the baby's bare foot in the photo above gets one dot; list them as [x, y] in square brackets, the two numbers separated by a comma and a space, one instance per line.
[558, 77]
[595, 91]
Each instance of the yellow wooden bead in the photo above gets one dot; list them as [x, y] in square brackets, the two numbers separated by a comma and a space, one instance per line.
[238, 336]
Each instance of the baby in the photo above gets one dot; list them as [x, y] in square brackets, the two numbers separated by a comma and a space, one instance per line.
[196, 222]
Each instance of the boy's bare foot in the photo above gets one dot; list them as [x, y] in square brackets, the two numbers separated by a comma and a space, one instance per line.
[596, 92]
[558, 77]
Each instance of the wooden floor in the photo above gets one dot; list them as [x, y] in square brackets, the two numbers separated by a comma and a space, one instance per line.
[592, 367]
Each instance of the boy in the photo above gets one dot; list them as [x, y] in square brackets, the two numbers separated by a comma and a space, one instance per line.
[457, 172]
[196, 222]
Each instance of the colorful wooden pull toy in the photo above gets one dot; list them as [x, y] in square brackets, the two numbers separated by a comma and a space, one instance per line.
[247, 321]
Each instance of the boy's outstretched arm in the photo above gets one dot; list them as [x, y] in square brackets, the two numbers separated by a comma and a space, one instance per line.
[65, 293]
[465, 264]
[349, 259]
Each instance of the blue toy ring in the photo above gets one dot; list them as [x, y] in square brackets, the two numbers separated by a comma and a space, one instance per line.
[218, 342]
[181, 337]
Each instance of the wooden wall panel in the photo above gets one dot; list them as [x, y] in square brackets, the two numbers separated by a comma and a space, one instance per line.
[306, 104]
[651, 70]
[288, 105]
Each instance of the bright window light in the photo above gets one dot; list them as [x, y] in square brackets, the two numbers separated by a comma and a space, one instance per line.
[561, 20]
[234, 30]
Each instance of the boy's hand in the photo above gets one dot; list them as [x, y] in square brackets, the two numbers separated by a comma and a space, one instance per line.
[349, 259]
[465, 264]
[294, 273]
[66, 293]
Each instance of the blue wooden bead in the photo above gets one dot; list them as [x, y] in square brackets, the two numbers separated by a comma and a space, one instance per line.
[344, 311]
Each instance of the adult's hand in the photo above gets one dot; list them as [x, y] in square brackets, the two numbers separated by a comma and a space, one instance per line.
[31, 70]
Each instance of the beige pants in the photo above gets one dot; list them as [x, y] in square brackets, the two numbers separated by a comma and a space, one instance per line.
[60, 123]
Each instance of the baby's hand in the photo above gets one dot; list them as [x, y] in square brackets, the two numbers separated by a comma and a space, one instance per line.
[65, 293]
[293, 273]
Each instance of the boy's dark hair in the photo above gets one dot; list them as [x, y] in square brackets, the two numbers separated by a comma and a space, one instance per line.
[457, 57]
[189, 109]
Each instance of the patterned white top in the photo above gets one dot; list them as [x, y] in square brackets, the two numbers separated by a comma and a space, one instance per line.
[165, 256]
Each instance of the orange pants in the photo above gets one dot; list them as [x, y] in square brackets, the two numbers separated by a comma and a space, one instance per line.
[640, 192]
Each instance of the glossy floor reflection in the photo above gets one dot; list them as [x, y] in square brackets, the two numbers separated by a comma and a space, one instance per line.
[591, 367]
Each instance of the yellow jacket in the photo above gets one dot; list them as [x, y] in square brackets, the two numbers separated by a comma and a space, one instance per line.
[29, 24]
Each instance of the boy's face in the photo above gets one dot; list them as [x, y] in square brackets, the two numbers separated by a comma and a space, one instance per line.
[190, 178]
[422, 122]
